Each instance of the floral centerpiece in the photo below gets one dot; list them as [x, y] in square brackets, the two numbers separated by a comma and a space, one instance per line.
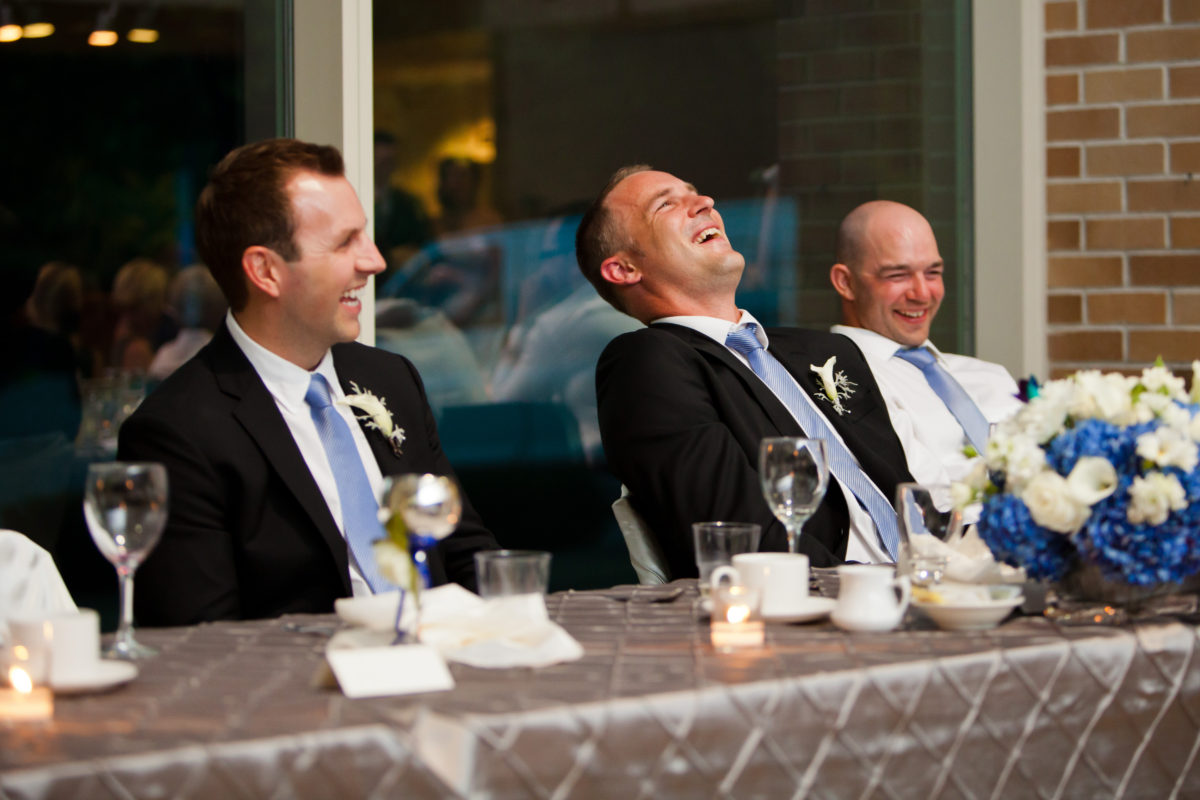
[1099, 471]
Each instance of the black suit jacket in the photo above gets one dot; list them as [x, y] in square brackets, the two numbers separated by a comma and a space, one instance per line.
[249, 534]
[681, 419]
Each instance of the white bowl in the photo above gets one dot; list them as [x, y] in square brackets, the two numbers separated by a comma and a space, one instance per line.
[975, 616]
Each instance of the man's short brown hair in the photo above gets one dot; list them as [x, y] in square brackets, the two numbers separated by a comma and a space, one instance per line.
[601, 234]
[246, 203]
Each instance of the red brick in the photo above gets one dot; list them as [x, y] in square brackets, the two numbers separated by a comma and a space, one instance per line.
[1062, 90]
[1069, 198]
[1064, 309]
[1062, 16]
[1185, 81]
[877, 28]
[1083, 123]
[1170, 344]
[1185, 10]
[1070, 51]
[844, 65]
[1185, 232]
[1167, 195]
[1177, 119]
[1175, 269]
[1123, 13]
[1084, 271]
[1167, 44]
[1185, 157]
[805, 103]
[1062, 234]
[1086, 346]
[1125, 159]
[1139, 308]
[1185, 308]
[1115, 85]
[1126, 233]
[880, 98]
[1062, 162]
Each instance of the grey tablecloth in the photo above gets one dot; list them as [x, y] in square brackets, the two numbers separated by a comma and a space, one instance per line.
[1031, 709]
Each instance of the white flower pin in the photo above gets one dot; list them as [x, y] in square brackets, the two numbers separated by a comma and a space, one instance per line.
[375, 412]
[835, 385]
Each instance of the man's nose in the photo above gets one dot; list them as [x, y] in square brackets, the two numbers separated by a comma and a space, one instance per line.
[700, 204]
[918, 288]
[371, 260]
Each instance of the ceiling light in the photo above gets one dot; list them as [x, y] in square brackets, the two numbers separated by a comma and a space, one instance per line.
[103, 34]
[38, 30]
[9, 30]
[143, 30]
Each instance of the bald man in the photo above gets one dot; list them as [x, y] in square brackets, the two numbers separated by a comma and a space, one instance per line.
[889, 276]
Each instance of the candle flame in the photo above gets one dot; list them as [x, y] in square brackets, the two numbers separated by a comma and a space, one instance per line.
[20, 680]
[737, 613]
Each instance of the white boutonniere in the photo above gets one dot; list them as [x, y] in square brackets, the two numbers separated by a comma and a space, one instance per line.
[835, 386]
[375, 412]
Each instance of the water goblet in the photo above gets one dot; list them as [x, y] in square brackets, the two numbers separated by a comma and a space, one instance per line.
[125, 504]
[924, 528]
[794, 473]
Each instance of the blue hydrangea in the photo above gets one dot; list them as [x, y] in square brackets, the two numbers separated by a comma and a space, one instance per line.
[1013, 537]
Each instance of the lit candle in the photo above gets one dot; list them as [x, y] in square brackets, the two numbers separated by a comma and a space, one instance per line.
[25, 702]
[735, 623]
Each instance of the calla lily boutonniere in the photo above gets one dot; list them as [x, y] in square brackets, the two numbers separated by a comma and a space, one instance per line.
[835, 386]
[374, 410]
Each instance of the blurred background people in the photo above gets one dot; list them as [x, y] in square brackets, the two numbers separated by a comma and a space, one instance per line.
[198, 305]
[402, 226]
[139, 298]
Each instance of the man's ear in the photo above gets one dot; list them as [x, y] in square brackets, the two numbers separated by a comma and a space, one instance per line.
[262, 266]
[839, 276]
[620, 270]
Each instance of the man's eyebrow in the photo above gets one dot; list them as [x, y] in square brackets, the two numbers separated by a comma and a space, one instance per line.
[689, 188]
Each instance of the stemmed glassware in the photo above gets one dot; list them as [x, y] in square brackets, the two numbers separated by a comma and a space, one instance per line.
[125, 504]
[794, 473]
[431, 507]
[924, 527]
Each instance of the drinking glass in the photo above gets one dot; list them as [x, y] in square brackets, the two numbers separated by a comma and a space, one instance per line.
[125, 504]
[431, 507]
[718, 542]
[924, 527]
[794, 473]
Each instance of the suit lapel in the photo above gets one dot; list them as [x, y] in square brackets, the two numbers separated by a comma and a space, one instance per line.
[380, 447]
[260, 417]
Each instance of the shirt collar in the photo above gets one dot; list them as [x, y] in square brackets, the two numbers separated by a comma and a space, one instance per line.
[715, 328]
[875, 344]
[287, 382]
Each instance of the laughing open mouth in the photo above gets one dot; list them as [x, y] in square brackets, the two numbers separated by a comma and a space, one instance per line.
[707, 234]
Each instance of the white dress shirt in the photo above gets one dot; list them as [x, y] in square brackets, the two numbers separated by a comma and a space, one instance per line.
[287, 384]
[863, 544]
[932, 437]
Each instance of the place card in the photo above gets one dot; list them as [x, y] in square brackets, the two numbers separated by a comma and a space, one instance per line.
[382, 671]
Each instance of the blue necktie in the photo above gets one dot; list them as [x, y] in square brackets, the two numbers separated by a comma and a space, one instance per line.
[841, 463]
[360, 509]
[960, 404]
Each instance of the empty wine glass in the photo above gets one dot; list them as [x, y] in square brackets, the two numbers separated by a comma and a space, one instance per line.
[794, 473]
[125, 504]
[924, 530]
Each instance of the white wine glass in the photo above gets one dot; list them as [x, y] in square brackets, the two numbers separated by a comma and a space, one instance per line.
[125, 504]
[925, 529]
[431, 507]
[794, 473]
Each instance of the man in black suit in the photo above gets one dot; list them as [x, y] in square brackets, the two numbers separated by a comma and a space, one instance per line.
[682, 412]
[258, 517]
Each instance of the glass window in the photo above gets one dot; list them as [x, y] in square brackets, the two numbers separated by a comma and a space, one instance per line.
[497, 122]
[114, 113]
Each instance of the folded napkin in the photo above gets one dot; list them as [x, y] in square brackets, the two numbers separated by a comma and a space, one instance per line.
[29, 582]
[968, 559]
[494, 633]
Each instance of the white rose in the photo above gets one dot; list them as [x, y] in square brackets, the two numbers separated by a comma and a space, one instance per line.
[1091, 480]
[1154, 497]
[1099, 395]
[1176, 417]
[1045, 416]
[1166, 447]
[1161, 380]
[1052, 505]
[1026, 460]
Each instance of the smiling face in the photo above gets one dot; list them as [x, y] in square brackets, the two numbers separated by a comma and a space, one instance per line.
[319, 291]
[895, 287]
[678, 260]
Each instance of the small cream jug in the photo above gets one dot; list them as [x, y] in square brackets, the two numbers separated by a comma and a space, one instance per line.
[867, 598]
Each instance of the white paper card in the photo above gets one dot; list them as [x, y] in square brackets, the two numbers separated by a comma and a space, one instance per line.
[381, 671]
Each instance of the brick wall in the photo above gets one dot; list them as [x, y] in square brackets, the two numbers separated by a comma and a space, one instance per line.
[1122, 189]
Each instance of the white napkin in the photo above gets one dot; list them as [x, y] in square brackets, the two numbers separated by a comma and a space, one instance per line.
[968, 559]
[29, 581]
[494, 633]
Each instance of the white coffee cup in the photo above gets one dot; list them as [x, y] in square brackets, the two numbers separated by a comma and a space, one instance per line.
[782, 578]
[69, 642]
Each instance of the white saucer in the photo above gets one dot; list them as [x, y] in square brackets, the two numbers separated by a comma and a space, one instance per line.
[103, 675]
[813, 608]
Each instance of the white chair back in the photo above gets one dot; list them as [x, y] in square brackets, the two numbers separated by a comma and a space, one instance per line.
[29, 581]
[644, 552]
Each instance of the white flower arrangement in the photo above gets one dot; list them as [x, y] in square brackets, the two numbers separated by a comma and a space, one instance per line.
[375, 412]
[835, 386]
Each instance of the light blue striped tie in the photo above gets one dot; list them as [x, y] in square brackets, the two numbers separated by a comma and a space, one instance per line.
[360, 509]
[841, 463]
[960, 404]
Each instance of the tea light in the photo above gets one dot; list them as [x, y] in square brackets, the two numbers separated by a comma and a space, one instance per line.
[735, 622]
[25, 702]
